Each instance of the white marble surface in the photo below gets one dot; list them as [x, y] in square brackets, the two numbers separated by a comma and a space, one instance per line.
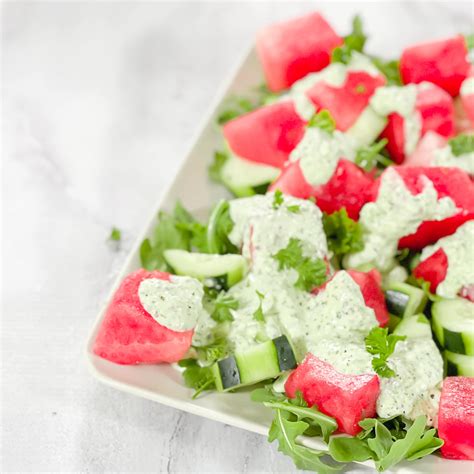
[99, 103]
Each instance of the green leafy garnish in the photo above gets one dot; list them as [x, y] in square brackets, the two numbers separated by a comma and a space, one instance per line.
[462, 144]
[381, 345]
[323, 120]
[235, 106]
[277, 199]
[197, 377]
[219, 228]
[115, 235]
[214, 351]
[215, 168]
[344, 235]
[469, 41]
[258, 314]
[222, 306]
[294, 208]
[311, 273]
[390, 69]
[178, 230]
[368, 157]
[353, 42]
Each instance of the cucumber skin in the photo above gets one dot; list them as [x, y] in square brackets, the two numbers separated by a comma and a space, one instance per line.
[285, 353]
[417, 298]
[458, 364]
[226, 374]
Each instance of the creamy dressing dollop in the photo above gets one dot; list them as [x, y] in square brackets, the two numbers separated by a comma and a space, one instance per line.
[175, 304]
[319, 152]
[459, 249]
[395, 214]
[467, 86]
[445, 157]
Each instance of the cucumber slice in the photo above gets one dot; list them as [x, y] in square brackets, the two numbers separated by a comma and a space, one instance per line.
[261, 362]
[459, 364]
[453, 324]
[393, 322]
[367, 127]
[404, 300]
[229, 268]
[219, 227]
[246, 178]
[416, 326]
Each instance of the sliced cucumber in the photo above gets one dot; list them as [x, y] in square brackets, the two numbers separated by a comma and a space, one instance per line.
[404, 300]
[416, 326]
[219, 227]
[393, 322]
[229, 268]
[459, 364]
[261, 362]
[246, 178]
[367, 127]
[453, 324]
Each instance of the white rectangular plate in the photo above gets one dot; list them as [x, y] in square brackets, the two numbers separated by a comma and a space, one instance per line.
[163, 383]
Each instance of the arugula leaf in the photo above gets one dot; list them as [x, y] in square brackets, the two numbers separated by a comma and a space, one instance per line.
[197, 377]
[285, 432]
[462, 144]
[235, 106]
[178, 230]
[115, 235]
[222, 306]
[353, 42]
[258, 314]
[215, 168]
[323, 120]
[344, 234]
[348, 449]
[390, 69]
[311, 273]
[381, 344]
[277, 199]
[368, 157]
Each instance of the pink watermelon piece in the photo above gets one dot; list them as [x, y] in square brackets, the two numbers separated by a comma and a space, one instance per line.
[443, 62]
[456, 418]
[130, 335]
[347, 102]
[349, 187]
[448, 182]
[436, 109]
[433, 269]
[292, 49]
[468, 105]
[424, 154]
[370, 284]
[266, 135]
[347, 398]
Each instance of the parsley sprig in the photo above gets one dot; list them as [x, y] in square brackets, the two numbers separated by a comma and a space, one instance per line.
[222, 306]
[323, 120]
[311, 273]
[462, 144]
[381, 345]
[196, 376]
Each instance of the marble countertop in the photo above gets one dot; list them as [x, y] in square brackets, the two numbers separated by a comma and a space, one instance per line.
[100, 101]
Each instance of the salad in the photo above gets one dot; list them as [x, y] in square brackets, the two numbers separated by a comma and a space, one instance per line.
[338, 281]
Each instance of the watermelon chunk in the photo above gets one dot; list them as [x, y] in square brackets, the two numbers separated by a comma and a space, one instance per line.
[266, 135]
[349, 187]
[456, 418]
[292, 49]
[436, 111]
[433, 270]
[347, 398]
[130, 335]
[347, 102]
[443, 62]
[424, 154]
[370, 285]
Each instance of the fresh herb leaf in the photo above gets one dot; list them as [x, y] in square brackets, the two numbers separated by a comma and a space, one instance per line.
[294, 208]
[381, 345]
[197, 377]
[258, 314]
[222, 306]
[344, 234]
[178, 230]
[277, 199]
[469, 41]
[390, 69]
[215, 351]
[349, 449]
[323, 120]
[235, 106]
[311, 273]
[462, 144]
[368, 157]
[115, 235]
[219, 228]
[215, 168]
[353, 42]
